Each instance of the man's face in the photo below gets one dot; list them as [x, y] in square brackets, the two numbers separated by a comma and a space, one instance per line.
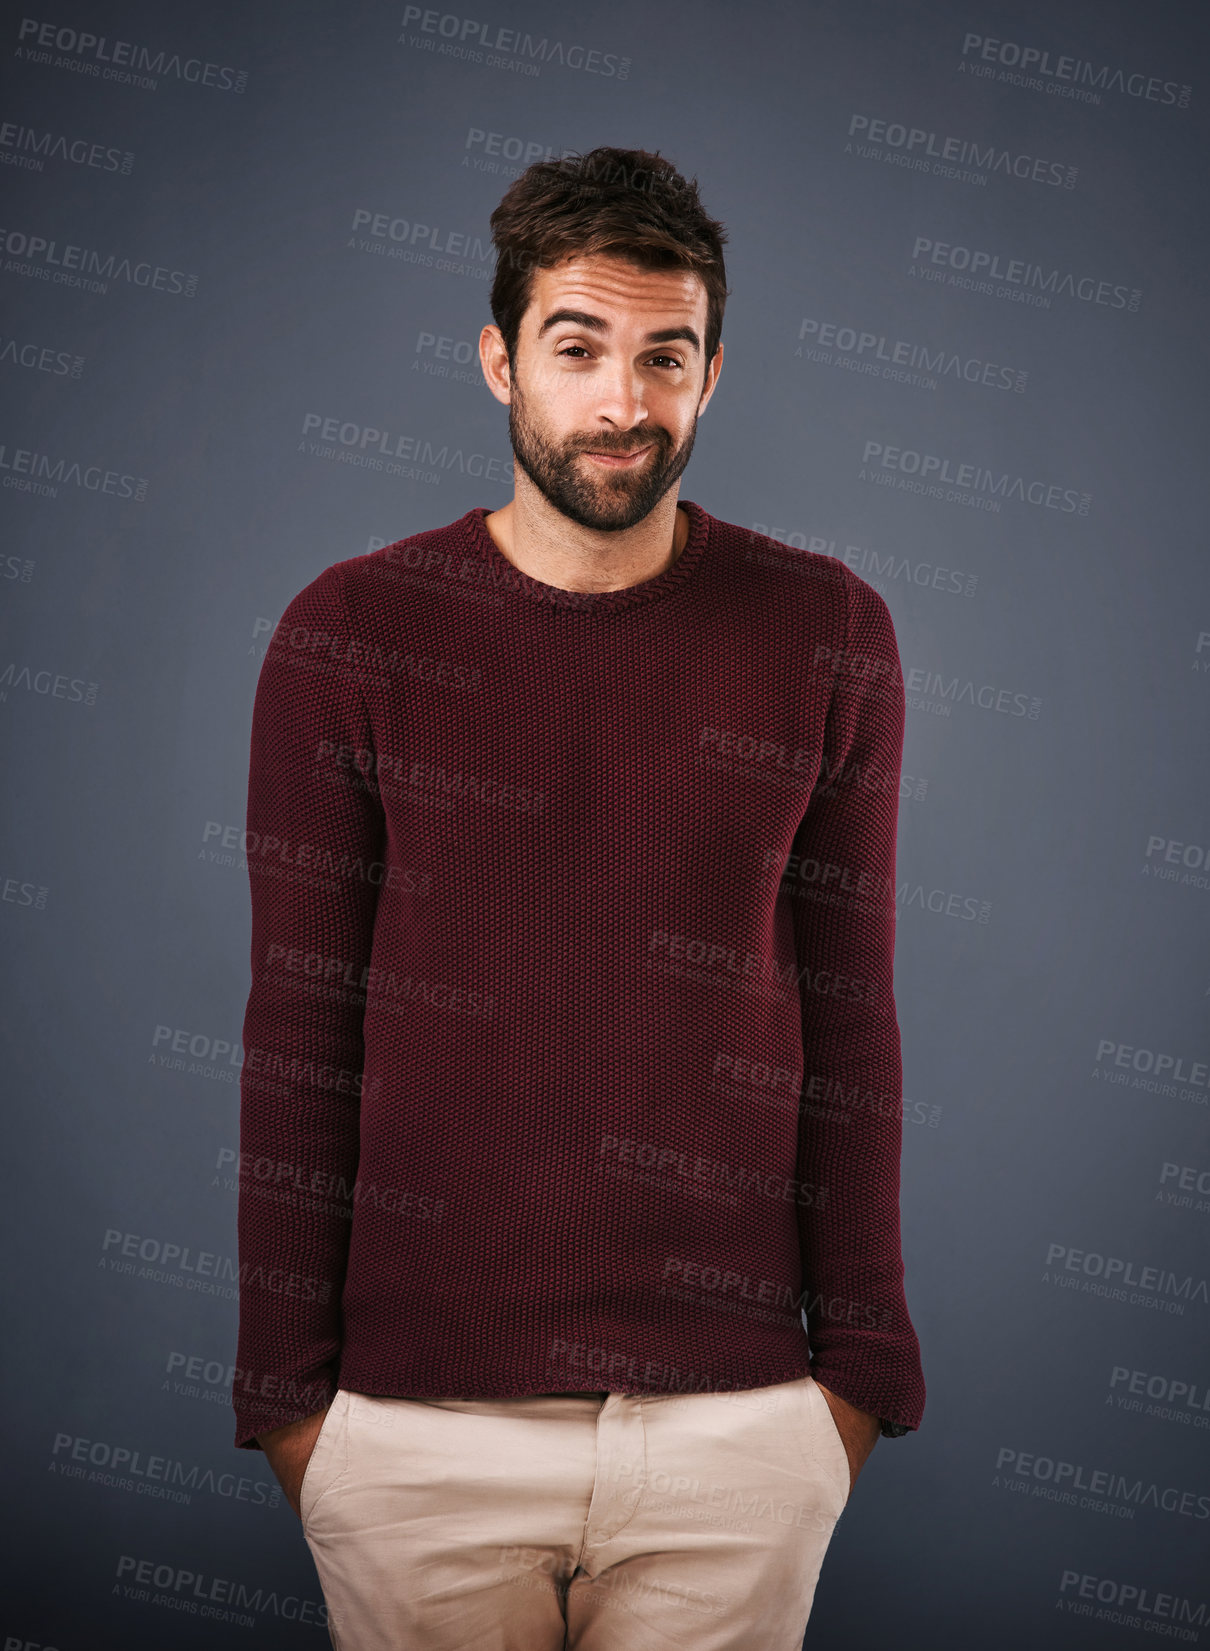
[590, 380]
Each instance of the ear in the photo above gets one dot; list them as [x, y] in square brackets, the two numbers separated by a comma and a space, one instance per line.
[493, 358]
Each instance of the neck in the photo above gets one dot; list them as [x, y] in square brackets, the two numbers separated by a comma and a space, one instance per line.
[548, 546]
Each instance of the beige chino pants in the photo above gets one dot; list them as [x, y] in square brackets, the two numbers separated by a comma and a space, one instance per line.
[574, 1522]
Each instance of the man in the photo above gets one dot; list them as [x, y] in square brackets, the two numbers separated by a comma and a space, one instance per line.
[571, 1054]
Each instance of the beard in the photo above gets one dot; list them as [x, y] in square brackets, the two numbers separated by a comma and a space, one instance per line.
[596, 496]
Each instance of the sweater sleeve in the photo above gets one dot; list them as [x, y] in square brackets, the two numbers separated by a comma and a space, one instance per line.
[314, 839]
[842, 882]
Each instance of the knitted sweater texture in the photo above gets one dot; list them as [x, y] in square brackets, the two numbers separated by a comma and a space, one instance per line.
[571, 1058]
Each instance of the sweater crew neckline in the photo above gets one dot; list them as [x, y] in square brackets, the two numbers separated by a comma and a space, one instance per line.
[525, 585]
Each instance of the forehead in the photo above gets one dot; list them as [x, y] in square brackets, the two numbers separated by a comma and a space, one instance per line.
[615, 290]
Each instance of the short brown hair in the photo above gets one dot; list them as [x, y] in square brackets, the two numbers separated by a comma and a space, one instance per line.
[628, 203]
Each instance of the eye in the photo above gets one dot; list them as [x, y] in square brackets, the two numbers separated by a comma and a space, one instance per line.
[671, 359]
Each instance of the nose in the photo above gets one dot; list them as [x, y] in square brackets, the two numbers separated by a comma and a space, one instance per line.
[619, 397]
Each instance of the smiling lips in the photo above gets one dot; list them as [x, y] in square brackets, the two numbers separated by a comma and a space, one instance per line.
[619, 458]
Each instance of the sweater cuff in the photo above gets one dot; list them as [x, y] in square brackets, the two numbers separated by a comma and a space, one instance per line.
[900, 1405]
[262, 1416]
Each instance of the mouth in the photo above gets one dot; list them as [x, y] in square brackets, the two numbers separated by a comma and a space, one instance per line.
[620, 460]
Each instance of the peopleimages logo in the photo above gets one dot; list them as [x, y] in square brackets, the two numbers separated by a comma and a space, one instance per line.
[876, 354]
[41, 358]
[1068, 1478]
[416, 242]
[68, 265]
[875, 566]
[1154, 1070]
[127, 1467]
[50, 684]
[369, 448]
[217, 1598]
[965, 159]
[495, 148]
[29, 148]
[1040, 69]
[203, 1271]
[994, 273]
[14, 892]
[1187, 863]
[938, 472]
[927, 690]
[499, 47]
[28, 471]
[1170, 1398]
[1113, 1276]
[1132, 1605]
[124, 61]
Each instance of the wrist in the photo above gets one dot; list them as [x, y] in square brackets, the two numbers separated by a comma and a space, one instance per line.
[886, 1429]
[289, 1430]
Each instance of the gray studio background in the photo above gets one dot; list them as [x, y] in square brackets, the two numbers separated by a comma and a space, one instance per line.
[279, 217]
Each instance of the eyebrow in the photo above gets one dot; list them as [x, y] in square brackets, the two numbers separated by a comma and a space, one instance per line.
[595, 323]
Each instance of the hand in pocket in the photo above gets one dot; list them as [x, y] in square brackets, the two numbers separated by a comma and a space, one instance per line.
[859, 1431]
[289, 1450]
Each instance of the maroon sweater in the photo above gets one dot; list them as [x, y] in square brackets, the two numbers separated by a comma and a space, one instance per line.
[571, 1054]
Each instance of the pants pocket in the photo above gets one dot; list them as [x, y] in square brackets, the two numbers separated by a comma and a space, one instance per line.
[826, 1442]
[329, 1457]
